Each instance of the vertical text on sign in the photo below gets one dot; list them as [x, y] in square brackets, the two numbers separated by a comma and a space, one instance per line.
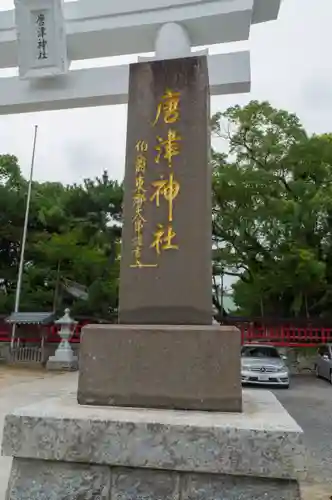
[168, 189]
[41, 32]
[139, 200]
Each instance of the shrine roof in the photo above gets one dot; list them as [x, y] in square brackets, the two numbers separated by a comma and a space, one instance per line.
[31, 318]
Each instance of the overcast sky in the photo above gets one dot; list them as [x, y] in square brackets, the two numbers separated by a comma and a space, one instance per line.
[291, 67]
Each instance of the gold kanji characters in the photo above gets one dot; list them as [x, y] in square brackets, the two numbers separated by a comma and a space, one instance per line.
[139, 199]
[169, 107]
[141, 147]
[168, 148]
[163, 239]
[140, 164]
[169, 190]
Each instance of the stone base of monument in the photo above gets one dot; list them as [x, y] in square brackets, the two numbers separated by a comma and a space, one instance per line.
[173, 367]
[69, 452]
[67, 362]
[62, 366]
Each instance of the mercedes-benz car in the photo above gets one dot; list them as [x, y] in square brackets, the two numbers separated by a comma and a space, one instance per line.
[263, 365]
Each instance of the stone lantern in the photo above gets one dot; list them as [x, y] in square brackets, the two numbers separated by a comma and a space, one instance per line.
[64, 358]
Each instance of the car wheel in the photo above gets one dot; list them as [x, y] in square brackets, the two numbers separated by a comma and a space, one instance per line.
[317, 371]
[331, 377]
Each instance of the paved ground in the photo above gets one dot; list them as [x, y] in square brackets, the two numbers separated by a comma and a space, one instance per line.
[21, 388]
[309, 401]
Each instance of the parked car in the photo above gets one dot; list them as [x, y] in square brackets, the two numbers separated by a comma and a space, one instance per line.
[323, 365]
[262, 364]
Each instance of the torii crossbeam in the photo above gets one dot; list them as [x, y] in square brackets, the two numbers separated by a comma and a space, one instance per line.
[42, 37]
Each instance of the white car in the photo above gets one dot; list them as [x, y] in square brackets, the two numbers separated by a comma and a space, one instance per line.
[263, 365]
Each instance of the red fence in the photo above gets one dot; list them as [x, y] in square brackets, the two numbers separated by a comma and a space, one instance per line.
[280, 336]
[287, 336]
[51, 335]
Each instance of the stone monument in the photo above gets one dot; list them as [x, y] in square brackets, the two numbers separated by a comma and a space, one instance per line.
[165, 310]
[161, 413]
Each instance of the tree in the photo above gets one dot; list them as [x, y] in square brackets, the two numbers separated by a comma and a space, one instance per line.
[12, 203]
[272, 211]
[73, 234]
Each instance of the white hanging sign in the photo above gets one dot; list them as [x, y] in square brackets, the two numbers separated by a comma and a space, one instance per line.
[41, 35]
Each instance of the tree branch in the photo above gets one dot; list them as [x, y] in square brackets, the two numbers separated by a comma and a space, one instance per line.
[241, 276]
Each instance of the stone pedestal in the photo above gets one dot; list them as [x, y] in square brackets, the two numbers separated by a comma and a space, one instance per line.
[64, 360]
[63, 451]
[54, 364]
[174, 367]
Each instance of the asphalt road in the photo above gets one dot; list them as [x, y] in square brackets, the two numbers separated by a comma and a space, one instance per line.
[309, 401]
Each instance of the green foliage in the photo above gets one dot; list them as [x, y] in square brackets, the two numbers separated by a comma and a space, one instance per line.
[272, 217]
[73, 234]
[272, 224]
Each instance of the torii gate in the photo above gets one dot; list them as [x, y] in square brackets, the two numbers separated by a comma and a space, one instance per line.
[42, 37]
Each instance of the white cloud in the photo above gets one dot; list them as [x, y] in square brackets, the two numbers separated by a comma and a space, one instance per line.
[291, 67]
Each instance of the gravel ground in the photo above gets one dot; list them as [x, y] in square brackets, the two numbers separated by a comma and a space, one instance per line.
[309, 401]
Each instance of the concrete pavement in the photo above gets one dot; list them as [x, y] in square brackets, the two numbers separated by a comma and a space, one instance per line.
[21, 388]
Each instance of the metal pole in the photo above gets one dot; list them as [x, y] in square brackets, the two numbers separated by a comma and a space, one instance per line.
[56, 290]
[24, 237]
[222, 291]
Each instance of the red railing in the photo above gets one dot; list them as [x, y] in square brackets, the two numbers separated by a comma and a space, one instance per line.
[287, 336]
[280, 336]
[51, 335]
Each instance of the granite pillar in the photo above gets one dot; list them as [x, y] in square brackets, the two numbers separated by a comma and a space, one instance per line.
[166, 237]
